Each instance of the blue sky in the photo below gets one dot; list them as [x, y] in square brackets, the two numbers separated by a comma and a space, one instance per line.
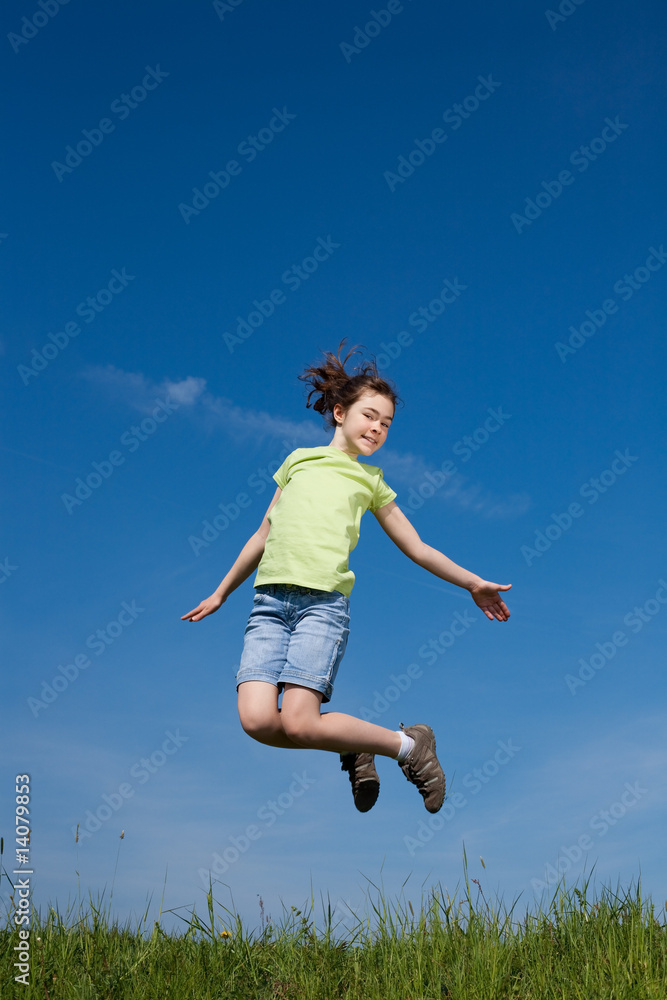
[200, 201]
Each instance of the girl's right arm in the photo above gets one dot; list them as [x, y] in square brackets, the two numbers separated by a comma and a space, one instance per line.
[246, 563]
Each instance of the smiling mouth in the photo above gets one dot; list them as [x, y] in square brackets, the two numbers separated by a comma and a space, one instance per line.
[370, 440]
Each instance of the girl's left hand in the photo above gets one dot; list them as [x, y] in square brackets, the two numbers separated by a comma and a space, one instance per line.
[486, 596]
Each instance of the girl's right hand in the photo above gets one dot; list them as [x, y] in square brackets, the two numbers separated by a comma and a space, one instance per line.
[207, 607]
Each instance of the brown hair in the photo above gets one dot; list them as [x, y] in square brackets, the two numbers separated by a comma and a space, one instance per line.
[335, 385]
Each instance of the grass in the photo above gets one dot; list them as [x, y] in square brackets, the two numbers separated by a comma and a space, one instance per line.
[573, 947]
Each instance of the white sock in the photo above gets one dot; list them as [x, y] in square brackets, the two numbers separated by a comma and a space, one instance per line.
[407, 743]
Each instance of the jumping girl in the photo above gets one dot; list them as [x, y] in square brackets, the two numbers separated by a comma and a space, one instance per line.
[297, 630]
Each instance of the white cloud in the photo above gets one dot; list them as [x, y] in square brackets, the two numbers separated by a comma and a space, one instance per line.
[187, 391]
[413, 471]
[260, 424]
[219, 413]
[138, 391]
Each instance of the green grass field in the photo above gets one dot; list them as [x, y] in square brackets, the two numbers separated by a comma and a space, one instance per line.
[608, 947]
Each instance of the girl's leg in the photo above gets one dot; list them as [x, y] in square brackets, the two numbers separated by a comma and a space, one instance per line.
[305, 726]
[260, 715]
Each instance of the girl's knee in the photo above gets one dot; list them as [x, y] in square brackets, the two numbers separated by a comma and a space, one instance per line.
[258, 710]
[297, 728]
[259, 725]
[301, 715]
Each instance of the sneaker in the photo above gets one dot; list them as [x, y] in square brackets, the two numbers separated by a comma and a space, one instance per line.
[422, 767]
[363, 778]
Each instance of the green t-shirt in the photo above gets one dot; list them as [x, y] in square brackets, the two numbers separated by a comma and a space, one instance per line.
[315, 523]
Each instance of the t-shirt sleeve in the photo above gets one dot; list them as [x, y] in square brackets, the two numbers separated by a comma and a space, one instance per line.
[281, 475]
[382, 495]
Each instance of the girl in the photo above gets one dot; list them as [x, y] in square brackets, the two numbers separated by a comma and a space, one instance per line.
[298, 628]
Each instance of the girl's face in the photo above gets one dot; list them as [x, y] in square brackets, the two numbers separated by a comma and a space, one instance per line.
[363, 427]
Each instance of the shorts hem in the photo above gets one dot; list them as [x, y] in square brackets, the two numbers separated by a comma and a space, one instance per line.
[314, 684]
[323, 687]
[254, 675]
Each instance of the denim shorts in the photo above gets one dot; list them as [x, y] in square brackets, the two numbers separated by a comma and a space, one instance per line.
[295, 635]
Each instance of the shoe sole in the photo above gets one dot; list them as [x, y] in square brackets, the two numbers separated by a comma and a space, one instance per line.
[366, 795]
[366, 792]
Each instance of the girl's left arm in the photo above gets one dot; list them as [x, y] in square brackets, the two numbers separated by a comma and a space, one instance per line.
[484, 593]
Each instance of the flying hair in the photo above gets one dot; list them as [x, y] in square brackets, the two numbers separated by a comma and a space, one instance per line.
[332, 383]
